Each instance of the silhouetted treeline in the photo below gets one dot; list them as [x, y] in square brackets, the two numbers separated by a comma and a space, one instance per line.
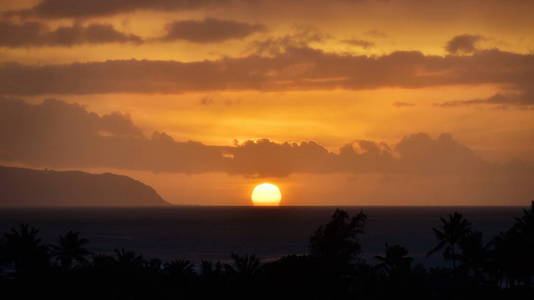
[477, 268]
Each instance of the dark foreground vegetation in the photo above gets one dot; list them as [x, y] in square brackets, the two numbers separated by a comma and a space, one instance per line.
[501, 268]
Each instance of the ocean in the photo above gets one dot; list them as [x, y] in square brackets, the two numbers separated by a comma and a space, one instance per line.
[213, 233]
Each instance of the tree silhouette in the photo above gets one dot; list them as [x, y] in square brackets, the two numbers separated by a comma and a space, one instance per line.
[103, 262]
[210, 269]
[338, 240]
[212, 274]
[395, 261]
[24, 249]
[180, 268]
[335, 251]
[335, 269]
[474, 254]
[514, 250]
[244, 266]
[71, 249]
[526, 222]
[453, 232]
[129, 259]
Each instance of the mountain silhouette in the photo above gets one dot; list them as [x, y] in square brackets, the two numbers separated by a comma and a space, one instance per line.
[30, 187]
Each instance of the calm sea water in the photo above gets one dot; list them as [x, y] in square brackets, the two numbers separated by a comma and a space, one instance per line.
[214, 232]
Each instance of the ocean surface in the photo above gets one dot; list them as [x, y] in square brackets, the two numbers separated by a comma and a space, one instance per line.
[214, 233]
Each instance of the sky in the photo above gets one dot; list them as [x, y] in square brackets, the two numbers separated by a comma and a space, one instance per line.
[352, 102]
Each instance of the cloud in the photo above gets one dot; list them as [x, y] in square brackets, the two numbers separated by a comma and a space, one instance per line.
[266, 158]
[302, 37]
[403, 104]
[35, 34]
[463, 44]
[217, 100]
[95, 8]
[359, 43]
[520, 98]
[293, 69]
[443, 154]
[98, 8]
[207, 100]
[57, 134]
[209, 30]
[376, 34]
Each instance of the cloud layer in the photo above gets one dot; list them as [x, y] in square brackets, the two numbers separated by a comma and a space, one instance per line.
[95, 8]
[464, 43]
[359, 43]
[98, 8]
[35, 34]
[294, 69]
[56, 134]
[209, 30]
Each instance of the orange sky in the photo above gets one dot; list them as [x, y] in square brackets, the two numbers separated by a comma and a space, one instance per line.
[221, 73]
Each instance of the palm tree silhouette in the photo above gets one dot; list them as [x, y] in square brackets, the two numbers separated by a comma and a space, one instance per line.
[71, 249]
[25, 249]
[180, 268]
[513, 251]
[526, 222]
[452, 233]
[129, 259]
[338, 240]
[395, 261]
[474, 254]
[210, 269]
[244, 266]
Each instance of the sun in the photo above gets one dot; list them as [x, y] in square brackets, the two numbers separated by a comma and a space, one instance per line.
[266, 194]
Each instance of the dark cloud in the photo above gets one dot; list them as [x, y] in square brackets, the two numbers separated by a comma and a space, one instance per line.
[443, 154]
[35, 34]
[293, 69]
[302, 37]
[56, 134]
[521, 98]
[267, 158]
[359, 43]
[209, 30]
[463, 44]
[207, 100]
[95, 8]
[218, 100]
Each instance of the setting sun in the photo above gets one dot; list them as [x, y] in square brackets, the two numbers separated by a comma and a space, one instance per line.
[266, 194]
